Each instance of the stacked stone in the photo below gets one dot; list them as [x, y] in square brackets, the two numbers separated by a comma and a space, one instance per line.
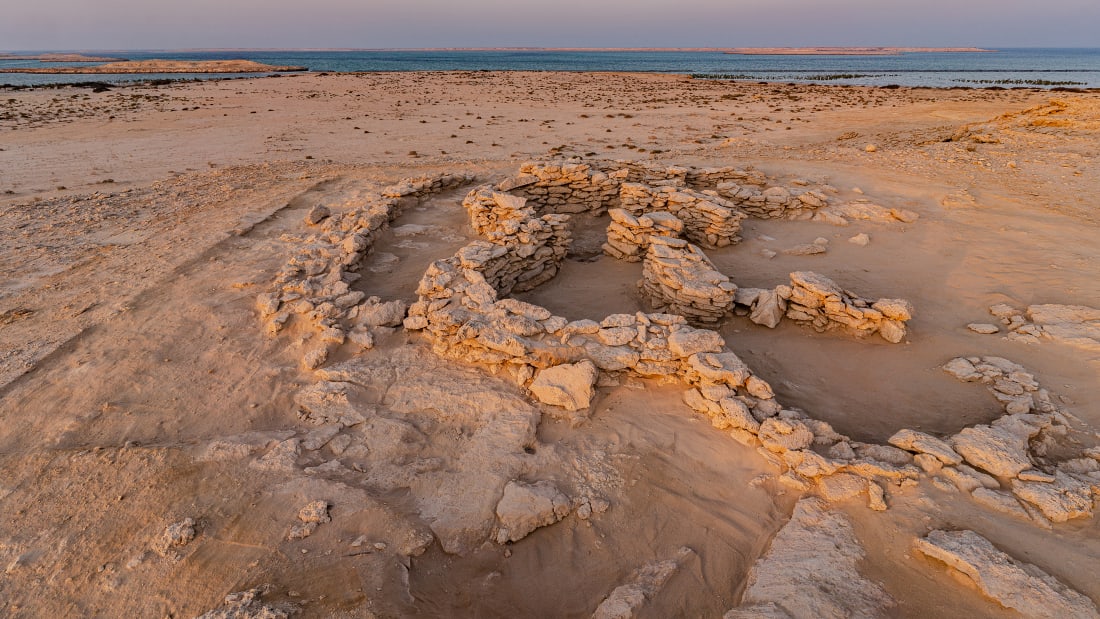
[812, 455]
[315, 284]
[489, 209]
[465, 320]
[566, 186]
[652, 173]
[773, 202]
[710, 178]
[819, 301]
[628, 237]
[678, 278]
[709, 220]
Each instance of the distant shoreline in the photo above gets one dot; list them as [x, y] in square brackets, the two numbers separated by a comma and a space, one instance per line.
[852, 51]
[786, 51]
[162, 66]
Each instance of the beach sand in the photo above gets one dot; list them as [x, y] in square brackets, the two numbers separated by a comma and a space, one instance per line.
[138, 389]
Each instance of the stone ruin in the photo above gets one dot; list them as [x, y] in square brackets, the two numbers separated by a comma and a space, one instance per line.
[464, 311]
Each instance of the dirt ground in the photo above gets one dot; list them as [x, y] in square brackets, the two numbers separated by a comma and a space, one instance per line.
[138, 389]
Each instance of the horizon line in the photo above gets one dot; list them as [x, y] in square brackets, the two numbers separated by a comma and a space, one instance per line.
[539, 48]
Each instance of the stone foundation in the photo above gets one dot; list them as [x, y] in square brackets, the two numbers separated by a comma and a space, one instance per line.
[709, 220]
[818, 301]
[314, 285]
[678, 278]
[628, 237]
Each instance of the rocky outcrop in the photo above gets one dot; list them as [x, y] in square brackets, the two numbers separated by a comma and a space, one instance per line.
[569, 385]
[249, 605]
[1073, 325]
[811, 571]
[863, 210]
[1020, 586]
[1015, 449]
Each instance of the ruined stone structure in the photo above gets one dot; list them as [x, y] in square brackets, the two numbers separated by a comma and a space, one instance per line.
[678, 278]
[709, 220]
[818, 301]
[315, 283]
[566, 186]
[464, 311]
[628, 237]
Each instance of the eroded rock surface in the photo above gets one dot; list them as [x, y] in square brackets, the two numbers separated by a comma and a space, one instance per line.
[811, 572]
[526, 507]
[1013, 584]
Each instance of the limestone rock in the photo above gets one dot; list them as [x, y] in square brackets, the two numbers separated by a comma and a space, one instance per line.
[1013, 584]
[993, 449]
[569, 385]
[389, 314]
[317, 214]
[781, 435]
[248, 605]
[920, 442]
[526, 507]
[768, 309]
[687, 342]
[1064, 499]
[983, 328]
[892, 331]
[646, 582]
[810, 571]
[175, 535]
[962, 369]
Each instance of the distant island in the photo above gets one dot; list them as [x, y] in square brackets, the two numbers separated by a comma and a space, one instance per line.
[164, 66]
[60, 58]
[847, 51]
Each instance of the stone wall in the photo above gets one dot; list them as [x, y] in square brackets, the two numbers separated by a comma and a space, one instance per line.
[817, 300]
[491, 211]
[314, 285]
[773, 202]
[628, 237]
[709, 220]
[678, 278]
[565, 186]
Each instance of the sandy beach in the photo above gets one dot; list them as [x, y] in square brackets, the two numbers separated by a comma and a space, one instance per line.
[173, 434]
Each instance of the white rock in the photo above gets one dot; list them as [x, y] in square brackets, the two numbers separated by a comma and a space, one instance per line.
[569, 385]
[1013, 584]
[811, 571]
[526, 507]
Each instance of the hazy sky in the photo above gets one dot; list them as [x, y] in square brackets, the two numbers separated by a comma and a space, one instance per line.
[167, 24]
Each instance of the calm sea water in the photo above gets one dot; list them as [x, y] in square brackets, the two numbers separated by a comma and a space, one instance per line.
[1079, 68]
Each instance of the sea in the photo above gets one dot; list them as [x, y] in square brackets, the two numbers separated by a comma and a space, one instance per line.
[1000, 68]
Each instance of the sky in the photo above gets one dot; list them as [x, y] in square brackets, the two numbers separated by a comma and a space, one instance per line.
[292, 24]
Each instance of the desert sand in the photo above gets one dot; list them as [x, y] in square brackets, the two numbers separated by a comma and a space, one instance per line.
[366, 346]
